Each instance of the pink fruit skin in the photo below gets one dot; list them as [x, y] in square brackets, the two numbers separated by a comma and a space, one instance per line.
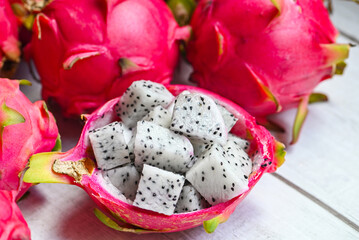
[77, 49]
[9, 45]
[38, 133]
[237, 47]
[260, 140]
[12, 224]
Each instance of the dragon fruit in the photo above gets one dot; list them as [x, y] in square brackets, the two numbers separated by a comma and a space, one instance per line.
[25, 129]
[267, 56]
[198, 117]
[237, 157]
[213, 177]
[83, 66]
[79, 167]
[146, 96]
[12, 223]
[109, 146]
[158, 190]
[161, 116]
[169, 151]
[9, 44]
[190, 200]
[126, 179]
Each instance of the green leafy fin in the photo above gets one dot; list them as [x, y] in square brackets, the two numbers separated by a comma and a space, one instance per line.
[220, 40]
[8, 116]
[25, 82]
[302, 113]
[279, 153]
[70, 61]
[40, 169]
[335, 55]
[317, 97]
[268, 95]
[277, 5]
[112, 224]
[270, 125]
[211, 225]
[182, 10]
[127, 66]
[58, 144]
[339, 68]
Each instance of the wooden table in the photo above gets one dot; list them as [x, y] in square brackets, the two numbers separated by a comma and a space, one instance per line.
[314, 195]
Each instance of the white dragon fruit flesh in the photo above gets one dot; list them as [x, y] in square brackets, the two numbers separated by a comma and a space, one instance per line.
[125, 178]
[158, 190]
[109, 146]
[215, 178]
[198, 117]
[139, 99]
[228, 117]
[160, 115]
[237, 157]
[190, 200]
[239, 142]
[160, 147]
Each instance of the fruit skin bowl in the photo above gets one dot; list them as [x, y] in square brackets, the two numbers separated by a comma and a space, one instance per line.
[77, 167]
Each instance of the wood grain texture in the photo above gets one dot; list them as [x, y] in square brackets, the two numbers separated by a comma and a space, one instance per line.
[325, 160]
[271, 211]
[346, 17]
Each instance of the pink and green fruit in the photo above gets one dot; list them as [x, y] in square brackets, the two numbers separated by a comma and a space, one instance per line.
[26, 128]
[12, 223]
[81, 66]
[9, 44]
[145, 158]
[265, 55]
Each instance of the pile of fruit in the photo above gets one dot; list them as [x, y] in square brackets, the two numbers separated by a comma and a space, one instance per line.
[156, 156]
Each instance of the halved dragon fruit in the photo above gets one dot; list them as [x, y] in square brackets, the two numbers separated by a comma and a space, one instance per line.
[25, 129]
[158, 190]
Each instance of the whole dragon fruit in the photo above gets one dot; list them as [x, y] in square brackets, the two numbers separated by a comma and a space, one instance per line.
[89, 51]
[12, 223]
[9, 44]
[25, 129]
[164, 154]
[265, 55]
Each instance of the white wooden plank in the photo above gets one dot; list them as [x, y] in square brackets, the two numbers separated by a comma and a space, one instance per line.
[57, 211]
[272, 211]
[325, 160]
[346, 17]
